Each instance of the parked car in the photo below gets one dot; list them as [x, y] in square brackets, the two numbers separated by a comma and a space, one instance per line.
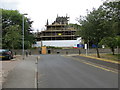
[6, 54]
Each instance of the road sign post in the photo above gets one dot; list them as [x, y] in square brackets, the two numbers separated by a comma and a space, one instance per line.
[86, 48]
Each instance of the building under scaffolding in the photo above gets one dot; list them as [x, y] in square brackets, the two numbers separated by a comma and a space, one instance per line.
[58, 30]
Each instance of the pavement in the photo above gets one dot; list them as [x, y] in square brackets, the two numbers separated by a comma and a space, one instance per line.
[6, 66]
[23, 75]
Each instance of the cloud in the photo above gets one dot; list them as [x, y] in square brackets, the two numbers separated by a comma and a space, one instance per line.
[41, 10]
[9, 4]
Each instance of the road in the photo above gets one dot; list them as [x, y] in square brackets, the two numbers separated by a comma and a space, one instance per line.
[57, 71]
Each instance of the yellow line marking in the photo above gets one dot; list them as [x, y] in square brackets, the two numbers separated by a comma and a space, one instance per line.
[91, 64]
[2, 56]
[106, 60]
[96, 66]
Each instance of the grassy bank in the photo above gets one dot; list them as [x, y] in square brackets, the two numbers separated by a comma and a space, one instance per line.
[108, 56]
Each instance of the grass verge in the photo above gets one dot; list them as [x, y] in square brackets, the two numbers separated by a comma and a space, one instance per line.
[115, 57]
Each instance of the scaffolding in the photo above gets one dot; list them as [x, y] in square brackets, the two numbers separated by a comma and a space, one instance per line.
[58, 30]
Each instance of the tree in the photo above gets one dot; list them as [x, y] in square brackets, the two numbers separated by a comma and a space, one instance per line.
[14, 18]
[112, 10]
[99, 23]
[118, 44]
[110, 42]
[76, 26]
[118, 40]
[92, 28]
[12, 38]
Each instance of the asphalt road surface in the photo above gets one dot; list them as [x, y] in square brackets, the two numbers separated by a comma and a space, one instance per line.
[56, 71]
[104, 63]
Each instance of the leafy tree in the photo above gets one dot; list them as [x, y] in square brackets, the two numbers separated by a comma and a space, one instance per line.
[76, 26]
[92, 30]
[13, 18]
[118, 45]
[118, 40]
[110, 42]
[112, 10]
[12, 38]
[100, 23]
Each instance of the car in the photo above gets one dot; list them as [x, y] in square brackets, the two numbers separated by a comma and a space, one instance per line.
[6, 54]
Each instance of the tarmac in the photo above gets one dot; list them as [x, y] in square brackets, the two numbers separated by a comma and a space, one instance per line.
[109, 65]
[28, 67]
[23, 75]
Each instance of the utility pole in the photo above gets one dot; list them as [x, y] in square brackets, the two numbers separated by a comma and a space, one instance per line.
[23, 54]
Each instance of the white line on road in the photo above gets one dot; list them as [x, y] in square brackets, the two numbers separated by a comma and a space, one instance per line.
[36, 72]
[35, 80]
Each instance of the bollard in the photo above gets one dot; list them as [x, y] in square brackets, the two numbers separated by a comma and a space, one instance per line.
[15, 53]
[58, 52]
[38, 57]
[66, 52]
[30, 53]
[26, 54]
[79, 52]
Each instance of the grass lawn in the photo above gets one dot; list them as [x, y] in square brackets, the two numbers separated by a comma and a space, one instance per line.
[108, 56]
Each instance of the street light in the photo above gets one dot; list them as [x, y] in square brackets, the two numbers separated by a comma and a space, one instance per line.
[23, 34]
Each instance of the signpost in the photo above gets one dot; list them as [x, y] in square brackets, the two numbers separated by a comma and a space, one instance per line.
[86, 48]
[103, 46]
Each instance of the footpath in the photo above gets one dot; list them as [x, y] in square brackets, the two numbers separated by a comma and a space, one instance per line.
[6, 66]
[23, 75]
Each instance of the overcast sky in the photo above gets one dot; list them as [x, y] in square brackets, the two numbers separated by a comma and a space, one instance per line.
[41, 10]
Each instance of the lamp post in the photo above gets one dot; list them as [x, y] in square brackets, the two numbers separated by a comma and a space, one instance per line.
[23, 35]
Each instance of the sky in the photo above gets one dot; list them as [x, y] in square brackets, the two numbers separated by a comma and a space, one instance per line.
[41, 10]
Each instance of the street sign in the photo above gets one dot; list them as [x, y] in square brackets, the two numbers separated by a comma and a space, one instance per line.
[103, 46]
[85, 46]
[94, 46]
